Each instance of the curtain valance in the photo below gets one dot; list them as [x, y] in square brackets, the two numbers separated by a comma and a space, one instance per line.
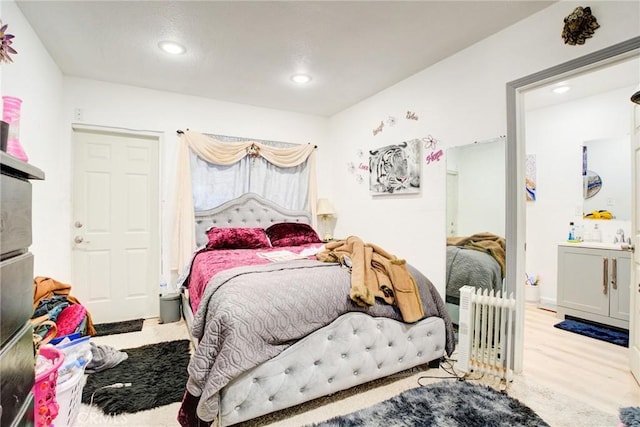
[225, 153]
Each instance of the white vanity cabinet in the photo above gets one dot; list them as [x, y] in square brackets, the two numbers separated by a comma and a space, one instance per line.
[594, 284]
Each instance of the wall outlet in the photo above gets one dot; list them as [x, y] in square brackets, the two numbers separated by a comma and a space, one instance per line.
[77, 114]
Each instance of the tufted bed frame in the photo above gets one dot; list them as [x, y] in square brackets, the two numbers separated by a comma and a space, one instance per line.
[248, 210]
[354, 349]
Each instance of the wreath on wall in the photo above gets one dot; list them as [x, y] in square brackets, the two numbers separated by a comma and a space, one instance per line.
[579, 26]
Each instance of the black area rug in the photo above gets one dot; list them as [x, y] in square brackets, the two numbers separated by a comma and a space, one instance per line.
[599, 332]
[447, 403]
[157, 373]
[118, 327]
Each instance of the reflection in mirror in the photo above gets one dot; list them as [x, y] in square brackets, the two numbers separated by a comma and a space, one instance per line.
[607, 183]
[475, 219]
[592, 183]
[476, 188]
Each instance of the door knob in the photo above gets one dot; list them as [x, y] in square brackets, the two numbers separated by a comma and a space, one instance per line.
[78, 239]
[78, 224]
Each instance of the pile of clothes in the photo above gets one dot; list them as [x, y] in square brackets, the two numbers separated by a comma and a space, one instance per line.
[65, 322]
[55, 308]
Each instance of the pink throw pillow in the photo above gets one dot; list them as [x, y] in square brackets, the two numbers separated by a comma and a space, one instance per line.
[291, 234]
[237, 238]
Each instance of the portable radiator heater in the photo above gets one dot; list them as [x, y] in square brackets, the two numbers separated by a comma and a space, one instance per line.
[485, 332]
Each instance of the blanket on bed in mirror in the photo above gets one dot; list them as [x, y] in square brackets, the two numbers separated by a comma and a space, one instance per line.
[470, 267]
[249, 315]
[484, 242]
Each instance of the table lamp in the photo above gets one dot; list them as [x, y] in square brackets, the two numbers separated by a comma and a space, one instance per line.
[325, 211]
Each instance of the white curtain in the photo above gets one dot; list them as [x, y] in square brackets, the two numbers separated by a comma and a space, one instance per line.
[288, 187]
[213, 184]
[211, 171]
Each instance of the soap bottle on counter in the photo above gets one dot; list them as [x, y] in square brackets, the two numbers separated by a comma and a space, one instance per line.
[572, 232]
[596, 235]
[578, 234]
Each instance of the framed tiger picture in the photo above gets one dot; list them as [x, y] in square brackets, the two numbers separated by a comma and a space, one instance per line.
[395, 169]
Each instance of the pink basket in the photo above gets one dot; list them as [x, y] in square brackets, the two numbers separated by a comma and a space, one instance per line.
[45, 406]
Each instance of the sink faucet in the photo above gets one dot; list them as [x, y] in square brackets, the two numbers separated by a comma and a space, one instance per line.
[619, 236]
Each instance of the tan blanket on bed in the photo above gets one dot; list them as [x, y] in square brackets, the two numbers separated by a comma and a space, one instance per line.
[376, 273]
[493, 244]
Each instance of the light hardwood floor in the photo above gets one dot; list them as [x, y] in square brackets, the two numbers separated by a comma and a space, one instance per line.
[569, 380]
[592, 371]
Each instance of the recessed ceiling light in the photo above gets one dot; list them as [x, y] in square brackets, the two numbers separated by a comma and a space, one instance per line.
[561, 89]
[172, 47]
[301, 78]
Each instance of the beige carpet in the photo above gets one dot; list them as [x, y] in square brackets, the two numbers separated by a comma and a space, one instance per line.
[555, 408]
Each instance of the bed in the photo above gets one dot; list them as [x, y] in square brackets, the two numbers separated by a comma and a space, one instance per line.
[476, 260]
[277, 334]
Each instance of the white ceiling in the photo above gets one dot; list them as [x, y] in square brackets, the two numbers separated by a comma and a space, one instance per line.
[245, 51]
[605, 78]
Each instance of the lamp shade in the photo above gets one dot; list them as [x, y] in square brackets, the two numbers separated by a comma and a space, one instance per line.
[324, 208]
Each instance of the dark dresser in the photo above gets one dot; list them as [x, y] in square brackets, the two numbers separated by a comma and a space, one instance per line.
[16, 292]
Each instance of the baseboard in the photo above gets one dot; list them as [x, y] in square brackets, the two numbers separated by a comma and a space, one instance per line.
[548, 304]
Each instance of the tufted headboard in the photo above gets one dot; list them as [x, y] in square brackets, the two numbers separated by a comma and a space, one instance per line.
[248, 210]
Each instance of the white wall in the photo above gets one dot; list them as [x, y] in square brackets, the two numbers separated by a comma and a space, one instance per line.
[556, 135]
[36, 79]
[459, 100]
[118, 106]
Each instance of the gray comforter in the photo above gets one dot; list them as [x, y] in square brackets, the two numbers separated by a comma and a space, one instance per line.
[470, 267]
[248, 315]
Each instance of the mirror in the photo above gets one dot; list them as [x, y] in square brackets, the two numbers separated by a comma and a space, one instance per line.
[607, 176]
[475, 218]
[476, 188]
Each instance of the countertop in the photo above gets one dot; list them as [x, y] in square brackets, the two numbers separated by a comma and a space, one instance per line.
[598, 245]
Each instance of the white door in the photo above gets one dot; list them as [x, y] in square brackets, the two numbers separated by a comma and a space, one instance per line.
[115, 230]
[634, 323]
